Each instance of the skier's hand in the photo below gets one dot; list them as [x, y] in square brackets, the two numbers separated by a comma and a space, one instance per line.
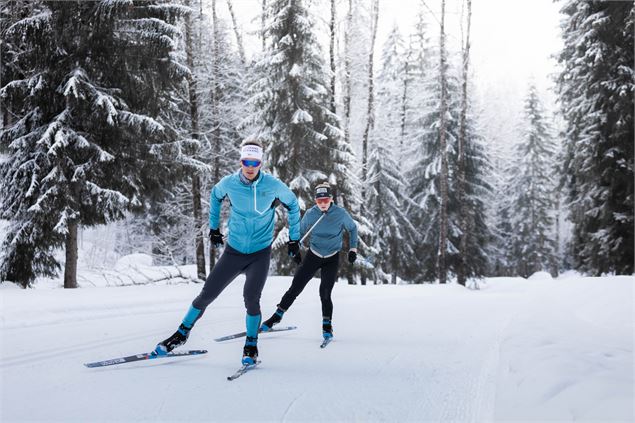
[293, 248]
[352, 256]
[216, 238]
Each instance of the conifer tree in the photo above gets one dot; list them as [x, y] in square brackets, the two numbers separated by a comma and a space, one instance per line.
[596, 94]
[87, 145]
[291, 99]
[531, 206]
[387, 196]
[425, 187]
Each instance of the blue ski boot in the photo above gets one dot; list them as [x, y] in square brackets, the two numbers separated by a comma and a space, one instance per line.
[273, 320]
[327, 328]
[250, 351]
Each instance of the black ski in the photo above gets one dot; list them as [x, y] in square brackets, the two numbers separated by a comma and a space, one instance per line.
[325, 342]
[144, 356]
[242, 334]
[244, 369]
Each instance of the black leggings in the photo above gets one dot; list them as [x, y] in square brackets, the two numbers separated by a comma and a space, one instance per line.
[232, 263]
[307, 269]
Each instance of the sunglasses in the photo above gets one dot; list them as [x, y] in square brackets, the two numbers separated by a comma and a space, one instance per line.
[323, 200]
[251, 163]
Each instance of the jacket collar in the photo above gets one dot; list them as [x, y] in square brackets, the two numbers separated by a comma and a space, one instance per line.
[329, 210]
[246, 181]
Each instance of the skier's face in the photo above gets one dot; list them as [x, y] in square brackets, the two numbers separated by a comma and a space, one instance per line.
[324, 203]
[250, 168]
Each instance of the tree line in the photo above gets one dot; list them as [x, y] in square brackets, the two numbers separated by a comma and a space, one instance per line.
[132, 110]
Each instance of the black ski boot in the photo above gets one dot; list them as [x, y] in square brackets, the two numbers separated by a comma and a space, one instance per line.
[176, 340]
[250, 351]
[273, 320]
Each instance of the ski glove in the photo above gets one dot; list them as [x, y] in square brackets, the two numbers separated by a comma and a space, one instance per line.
[352, 256]
[293, 247]
[216, 238]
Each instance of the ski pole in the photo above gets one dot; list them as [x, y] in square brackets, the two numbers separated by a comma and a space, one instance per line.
[311, 228]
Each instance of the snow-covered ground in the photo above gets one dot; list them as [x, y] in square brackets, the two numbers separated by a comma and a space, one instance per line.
[532, 350]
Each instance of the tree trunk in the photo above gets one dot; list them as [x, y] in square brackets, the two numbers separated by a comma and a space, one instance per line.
[239, 38]
[404, 103]
[215, 134]
[347, 100]
[463, 221]
[443, 230]
[555, 257]
[347, 74]
[394, 249]
[332, 56]
[370, 111]
[70, 267]
[196, 181]
[263, 21]
[198, 221]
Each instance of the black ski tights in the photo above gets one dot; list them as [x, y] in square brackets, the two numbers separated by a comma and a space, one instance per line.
[307, 269]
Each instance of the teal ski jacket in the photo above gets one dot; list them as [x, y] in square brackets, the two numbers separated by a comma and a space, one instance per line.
[326, 236]
[252, 210]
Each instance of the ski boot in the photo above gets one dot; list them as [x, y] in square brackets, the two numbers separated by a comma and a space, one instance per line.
[250, 351]
[273, 320]
[176, 340]
[327, 328]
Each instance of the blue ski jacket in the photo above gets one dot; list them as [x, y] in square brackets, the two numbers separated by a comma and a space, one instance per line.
[326, 237]
[252, 210]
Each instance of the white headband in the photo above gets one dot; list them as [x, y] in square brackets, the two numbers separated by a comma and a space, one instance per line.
[251, 152]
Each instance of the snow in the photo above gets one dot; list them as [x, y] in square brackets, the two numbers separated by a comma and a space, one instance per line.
[540, 349]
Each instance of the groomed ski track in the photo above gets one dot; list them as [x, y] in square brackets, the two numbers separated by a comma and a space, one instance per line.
[436, 353]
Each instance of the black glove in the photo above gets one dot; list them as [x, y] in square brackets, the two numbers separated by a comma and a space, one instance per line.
[293, 247]
[216, 238]
[352, 256]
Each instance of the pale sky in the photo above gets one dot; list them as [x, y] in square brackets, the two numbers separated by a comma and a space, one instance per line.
[512, 41]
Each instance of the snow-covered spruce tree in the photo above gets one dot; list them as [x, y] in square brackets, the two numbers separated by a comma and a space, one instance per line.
[424, 175]
[11, 12]
[417, 67]
[210, 152]
[85, 147]
[292, 107]
[387, 194]
[369, 126]
[346, 183]
[223, 114]
[596, 89]
[531, 189]
[502, 231]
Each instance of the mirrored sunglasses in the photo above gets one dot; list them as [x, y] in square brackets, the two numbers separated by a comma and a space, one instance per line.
[250, 163]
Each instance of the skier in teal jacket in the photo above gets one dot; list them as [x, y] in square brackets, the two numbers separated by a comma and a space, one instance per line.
[325, 223]
[253, 196]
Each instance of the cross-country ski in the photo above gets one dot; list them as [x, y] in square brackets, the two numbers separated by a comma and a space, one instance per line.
[142, 357]
[325, 342]
[242, 370]
[243, 334]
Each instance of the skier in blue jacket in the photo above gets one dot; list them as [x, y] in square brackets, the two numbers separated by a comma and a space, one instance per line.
[253, 196]
[326, 223]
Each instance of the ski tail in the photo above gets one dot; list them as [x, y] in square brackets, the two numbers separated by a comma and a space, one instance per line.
[142, 357]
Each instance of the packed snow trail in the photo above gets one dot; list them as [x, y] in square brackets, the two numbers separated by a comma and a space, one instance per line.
[534, 349]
